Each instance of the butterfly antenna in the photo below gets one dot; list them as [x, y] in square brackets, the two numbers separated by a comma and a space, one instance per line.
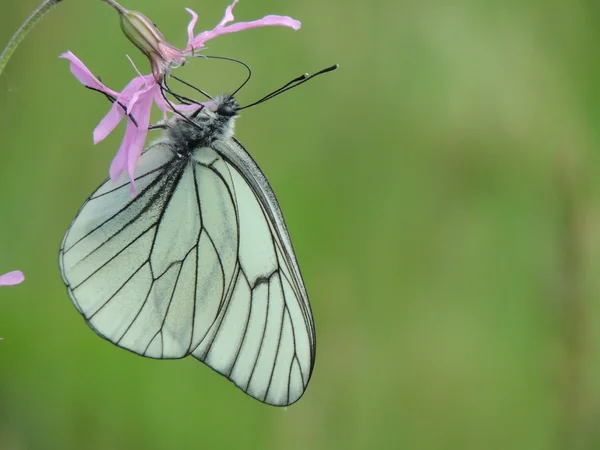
[181, 98]
[290, 85]
[191, 86]
[225, 58]
[203, 92]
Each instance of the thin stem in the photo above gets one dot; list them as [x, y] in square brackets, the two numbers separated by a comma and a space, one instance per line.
[115, 5]
[16, 39]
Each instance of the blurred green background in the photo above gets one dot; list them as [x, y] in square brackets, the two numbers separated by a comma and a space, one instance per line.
[442, 192]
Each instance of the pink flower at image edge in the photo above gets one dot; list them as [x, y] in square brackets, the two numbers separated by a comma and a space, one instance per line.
[145, 90]
[11, 278]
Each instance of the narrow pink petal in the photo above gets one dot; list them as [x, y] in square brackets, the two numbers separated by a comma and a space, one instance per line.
[116, 112]
[108, 122]
[198, 42]
[119, 162]
[84, 75]
[10, 278]
[192, 24]
[160, 101]
[140, 96]
[142, 106]
[132, 87]
[80, 70]
[284, 21]
[133, 188]
[133, 154]
[267, 21]
[135, 136]
[142, 115]
[139, 106]
[228, 15]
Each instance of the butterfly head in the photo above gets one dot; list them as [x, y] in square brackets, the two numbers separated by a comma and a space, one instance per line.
[212, 121]
[224, 106]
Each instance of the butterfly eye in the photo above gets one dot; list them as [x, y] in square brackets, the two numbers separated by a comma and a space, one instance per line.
[226, 110]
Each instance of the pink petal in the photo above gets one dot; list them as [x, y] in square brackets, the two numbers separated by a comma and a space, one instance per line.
[267, 21]
[108, 122]
[126, 99]
[160, 101]
[116, 112]
[84, 75]
[133, 154]
[191, 25]
[142, 115]
[228, 15]
[141, 94]
[119, 162]
[131, 91]
[11, 278]
[135, 136]
[196, 43]
[284, 21]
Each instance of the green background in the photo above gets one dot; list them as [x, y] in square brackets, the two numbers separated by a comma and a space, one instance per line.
[442, 192]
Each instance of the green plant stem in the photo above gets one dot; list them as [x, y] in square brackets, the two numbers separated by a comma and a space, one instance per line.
[115, 5]
[16, 39]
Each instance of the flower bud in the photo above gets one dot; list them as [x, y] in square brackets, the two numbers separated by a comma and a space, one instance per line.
[140, 30]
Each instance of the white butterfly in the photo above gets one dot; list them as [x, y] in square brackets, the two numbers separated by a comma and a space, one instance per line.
[199, 263]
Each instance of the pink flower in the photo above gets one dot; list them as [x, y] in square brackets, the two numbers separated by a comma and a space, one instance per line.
[10, 278]
[137, 98]
[197, 42]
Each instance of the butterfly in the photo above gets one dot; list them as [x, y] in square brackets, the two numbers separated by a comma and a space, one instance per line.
[199, 263]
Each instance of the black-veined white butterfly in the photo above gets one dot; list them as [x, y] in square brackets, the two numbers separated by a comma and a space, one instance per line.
[199, 263]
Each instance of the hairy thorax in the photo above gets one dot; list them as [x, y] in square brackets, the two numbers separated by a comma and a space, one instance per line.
[201, 128]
